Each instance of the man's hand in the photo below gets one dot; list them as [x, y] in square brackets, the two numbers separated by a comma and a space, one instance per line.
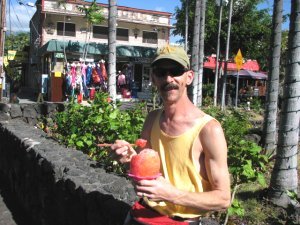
[122, 151]
[155, 190]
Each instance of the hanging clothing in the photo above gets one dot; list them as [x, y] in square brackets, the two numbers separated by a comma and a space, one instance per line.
[68, 81]
[99, 72]
[89, 74]
[103, 71]
[121, 80]
[73, 73]
[95, 76]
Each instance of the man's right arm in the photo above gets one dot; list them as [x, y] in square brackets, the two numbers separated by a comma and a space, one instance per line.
[123, 151]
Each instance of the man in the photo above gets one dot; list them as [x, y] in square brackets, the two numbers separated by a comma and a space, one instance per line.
[191, 146]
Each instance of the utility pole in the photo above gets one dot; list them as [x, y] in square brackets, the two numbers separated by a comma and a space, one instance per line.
[2, 40]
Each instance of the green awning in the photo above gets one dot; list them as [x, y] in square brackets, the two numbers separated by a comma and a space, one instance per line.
[96, 49]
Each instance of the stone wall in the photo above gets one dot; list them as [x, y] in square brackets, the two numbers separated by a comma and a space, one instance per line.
[54, 184]
[29, 112]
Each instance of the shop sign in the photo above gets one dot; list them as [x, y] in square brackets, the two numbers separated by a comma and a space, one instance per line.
[140, 60]
[59, 55]
[57, 74]
[16, 55]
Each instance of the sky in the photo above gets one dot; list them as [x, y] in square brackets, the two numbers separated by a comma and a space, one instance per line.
[19, 15]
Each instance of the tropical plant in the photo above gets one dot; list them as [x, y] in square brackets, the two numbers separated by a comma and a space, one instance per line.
[270, 121]
[83, 127]
[16, 42]
[284, 175]
[246, 161]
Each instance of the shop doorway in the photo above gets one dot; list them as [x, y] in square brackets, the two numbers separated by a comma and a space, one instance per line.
[138, 75]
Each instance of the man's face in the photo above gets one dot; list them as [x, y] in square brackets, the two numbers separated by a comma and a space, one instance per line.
[171, 80]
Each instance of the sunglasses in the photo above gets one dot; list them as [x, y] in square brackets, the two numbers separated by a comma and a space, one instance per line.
[173, 72]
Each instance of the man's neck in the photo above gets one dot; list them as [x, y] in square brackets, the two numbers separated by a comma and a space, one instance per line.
[178, 109]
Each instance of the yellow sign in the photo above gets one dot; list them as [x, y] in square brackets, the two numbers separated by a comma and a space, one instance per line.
[57, 74]
[16, 55]
[238, 59]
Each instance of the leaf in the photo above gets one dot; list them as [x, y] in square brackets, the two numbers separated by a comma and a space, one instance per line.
[89, 143]
[261, 179]
[98, 119]
[79, 144]
[248, 170]
[113, 115]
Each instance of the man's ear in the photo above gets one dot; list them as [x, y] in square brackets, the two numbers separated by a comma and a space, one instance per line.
[190, 77]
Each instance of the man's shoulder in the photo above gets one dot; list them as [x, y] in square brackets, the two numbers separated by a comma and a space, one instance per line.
[212, 127]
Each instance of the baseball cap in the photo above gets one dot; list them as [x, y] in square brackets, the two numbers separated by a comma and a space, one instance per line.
[175, 53]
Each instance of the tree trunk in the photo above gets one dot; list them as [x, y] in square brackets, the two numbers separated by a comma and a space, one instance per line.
[186, 25]
[284, 176]
[201, 52]
[218, 54]
[226, 56]
[269, 129]
[112, 36]
[195, 49]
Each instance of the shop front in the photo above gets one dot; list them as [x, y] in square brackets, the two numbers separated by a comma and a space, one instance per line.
[74, 66]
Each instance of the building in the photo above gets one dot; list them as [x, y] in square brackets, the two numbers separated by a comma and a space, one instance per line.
[60, 31]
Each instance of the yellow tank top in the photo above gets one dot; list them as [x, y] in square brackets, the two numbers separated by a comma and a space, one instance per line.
[177, 166]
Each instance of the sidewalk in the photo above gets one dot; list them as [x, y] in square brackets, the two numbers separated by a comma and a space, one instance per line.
[27, 95]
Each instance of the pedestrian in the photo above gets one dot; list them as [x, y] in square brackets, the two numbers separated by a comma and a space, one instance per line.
[192, 148]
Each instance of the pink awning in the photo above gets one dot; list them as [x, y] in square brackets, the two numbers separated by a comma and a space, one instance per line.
[231, 66]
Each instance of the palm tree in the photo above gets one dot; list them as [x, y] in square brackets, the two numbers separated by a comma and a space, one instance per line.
[284, 179]
[201, 52]
[195, 49]
[269, 129]
[112, 36]
[93, 15]
[186, 25]
[218, 53]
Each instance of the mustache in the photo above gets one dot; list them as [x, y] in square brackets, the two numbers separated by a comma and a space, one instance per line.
[169, 86]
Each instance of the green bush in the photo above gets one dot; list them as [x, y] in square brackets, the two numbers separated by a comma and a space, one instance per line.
[245, 159]
[83, 127]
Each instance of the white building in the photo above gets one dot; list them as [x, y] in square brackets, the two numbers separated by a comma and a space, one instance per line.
[139, 33]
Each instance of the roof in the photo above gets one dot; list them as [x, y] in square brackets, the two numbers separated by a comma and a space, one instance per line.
[231, 66]
[249, 74]
[96, 49]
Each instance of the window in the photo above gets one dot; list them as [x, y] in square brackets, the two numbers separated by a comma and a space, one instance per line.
[122, 34]
[149, 37]
[69, 29]
[100, 32]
